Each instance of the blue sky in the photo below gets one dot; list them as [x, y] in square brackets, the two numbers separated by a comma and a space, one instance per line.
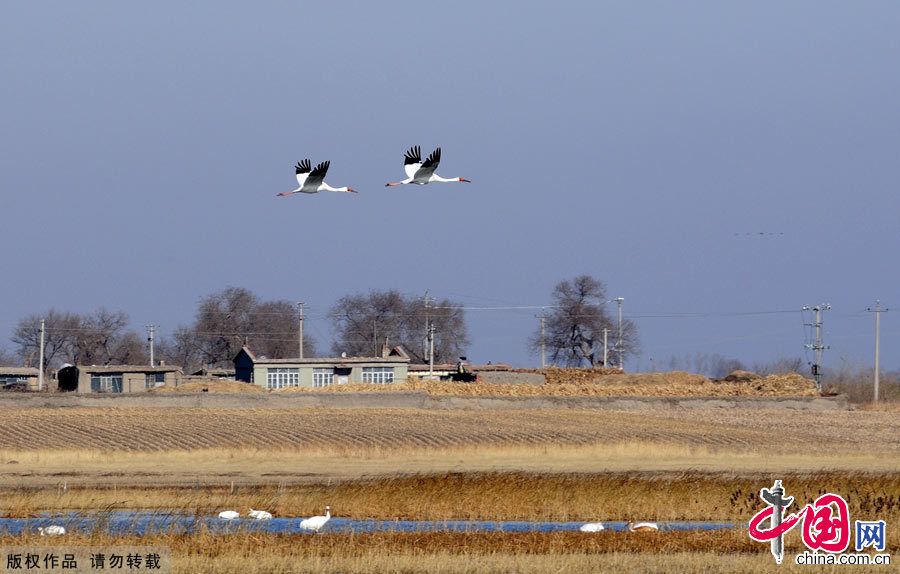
[645, 143]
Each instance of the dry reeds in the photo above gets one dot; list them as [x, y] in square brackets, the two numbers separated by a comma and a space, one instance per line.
[488, 496]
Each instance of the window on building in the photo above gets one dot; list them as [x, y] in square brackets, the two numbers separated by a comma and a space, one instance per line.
[281, 377]
[106, 383]
[156, 380]
[323, 377]
[379, 375]
[12, 379]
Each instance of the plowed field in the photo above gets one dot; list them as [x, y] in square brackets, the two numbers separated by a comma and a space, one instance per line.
[140, 429]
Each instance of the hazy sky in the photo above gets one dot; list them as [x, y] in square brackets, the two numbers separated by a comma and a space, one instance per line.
[645, 143]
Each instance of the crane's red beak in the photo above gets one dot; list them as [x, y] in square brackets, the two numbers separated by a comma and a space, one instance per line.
[465, 180]
[351, 190]
[284, 194]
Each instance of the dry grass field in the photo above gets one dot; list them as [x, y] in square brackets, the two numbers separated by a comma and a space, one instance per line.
[184, 445]
[541, 464]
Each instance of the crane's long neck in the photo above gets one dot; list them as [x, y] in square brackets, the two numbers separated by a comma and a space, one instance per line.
[436, 177]
[328, 513]
[326, 187]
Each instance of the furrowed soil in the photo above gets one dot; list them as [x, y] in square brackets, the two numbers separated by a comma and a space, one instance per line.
[102, 446]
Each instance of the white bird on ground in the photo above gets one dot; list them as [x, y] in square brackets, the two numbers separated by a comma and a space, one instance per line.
[260, 514]
[422, 172]
[592, 527]
[315, 523]
[643, 527]
[229, 514]
[52, 530]
[313, 180]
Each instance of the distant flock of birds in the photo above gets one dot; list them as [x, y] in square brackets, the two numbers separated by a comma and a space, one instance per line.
[315, 523]
[312, 179]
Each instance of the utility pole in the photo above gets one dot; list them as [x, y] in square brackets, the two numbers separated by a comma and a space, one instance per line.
[300, 305]
[605, 347]
[818, 346]
[878, 311]
[428, 331]
[375, 338]
[151, 331]
[619, 301]
[543, 318]
[431, 352]
[41, 361]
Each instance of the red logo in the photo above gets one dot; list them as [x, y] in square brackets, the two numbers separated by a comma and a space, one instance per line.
[825, 523]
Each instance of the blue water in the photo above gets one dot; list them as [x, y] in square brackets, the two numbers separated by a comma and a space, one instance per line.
[141, 523]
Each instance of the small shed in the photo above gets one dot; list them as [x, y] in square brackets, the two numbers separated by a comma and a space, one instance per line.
[19, 378]
[125, 378]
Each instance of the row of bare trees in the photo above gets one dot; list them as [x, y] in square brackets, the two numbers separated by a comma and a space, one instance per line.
[100, 338]
[363, 324]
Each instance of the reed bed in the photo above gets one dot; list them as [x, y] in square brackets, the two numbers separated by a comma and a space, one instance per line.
[490, 496]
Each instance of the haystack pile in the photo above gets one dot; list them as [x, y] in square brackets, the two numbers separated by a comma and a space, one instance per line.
[560, 383]
[590, 383]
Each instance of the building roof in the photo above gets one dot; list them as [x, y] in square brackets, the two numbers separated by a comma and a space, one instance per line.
[330, 360]
[20, 371]
[261, 360]
[127, 369]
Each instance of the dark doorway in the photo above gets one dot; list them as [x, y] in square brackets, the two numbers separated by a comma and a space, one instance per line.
[67, 378]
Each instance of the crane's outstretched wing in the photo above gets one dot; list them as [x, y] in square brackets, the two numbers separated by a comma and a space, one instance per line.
[303, 169]
[317, 176]
[428, 166]
[412, 161]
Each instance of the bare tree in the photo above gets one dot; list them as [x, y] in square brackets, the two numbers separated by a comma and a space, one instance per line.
[98, 339]
[363, 323]
[179, 349]
[8, 359]
[228, 319]
[573, 333]
[60, 328]
[779, 366]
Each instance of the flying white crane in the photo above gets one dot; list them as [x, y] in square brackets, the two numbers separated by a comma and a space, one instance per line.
[260, 514]
[422, 172]
[315, 523]
[643, 527]
[229, 514]
[52, 530]
[592, 527]
[313, 180]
